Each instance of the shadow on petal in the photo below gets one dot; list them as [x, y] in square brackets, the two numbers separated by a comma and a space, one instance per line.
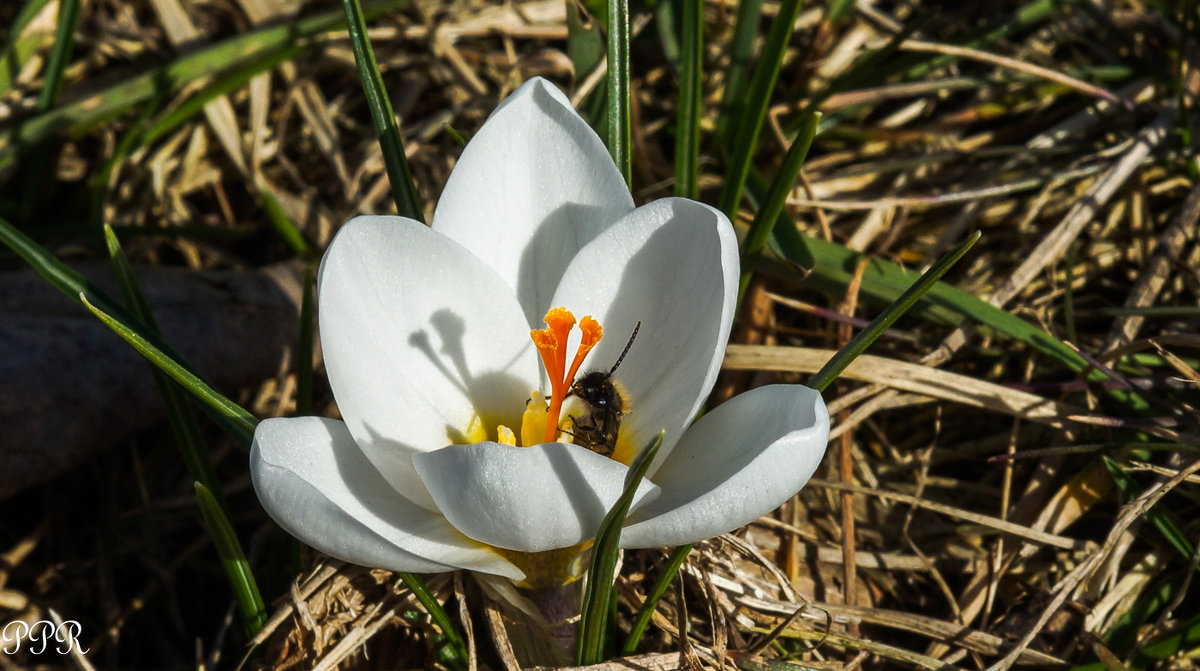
[528, 499]
[315, 482]
[736, 463]
[497, 395]
[665, 265]
[557, 239]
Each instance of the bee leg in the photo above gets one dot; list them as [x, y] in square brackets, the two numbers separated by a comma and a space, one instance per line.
[581, 426]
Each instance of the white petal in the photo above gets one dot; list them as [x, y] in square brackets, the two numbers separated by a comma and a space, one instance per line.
[528, 499]
[313, 480]
[735, 464]
[419, 336]
[531, 188]
[673, 266]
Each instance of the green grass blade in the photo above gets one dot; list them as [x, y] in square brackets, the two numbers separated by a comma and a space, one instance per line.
[1157, 515]
[597, 8]
[304, 361]
[16, 53]
[207, 61]
[460, 139]
[860, 342]
[404, 190]
[453, 638]
[585, 48]
[1182, 639]
[228, 83]
[236, 420]
[147, 347]
[741, 51]
[875, 66]
[62, 276]
[884, 281]
[21, 21]
[785, 240]
[179, 413]
[1025, 17]
[98, 183]
[768, 214]
[585, 41]
[748, 124]
[838, 9]
[38, 169]
[182, 232]
[691, 88]
[678, 555]
[19, 48]
[60, 54]
[1123, 635]
[1069, 293]
[593, 623]
[237, 569]
[619, 132]
[668, 19]
[1185, 637]
[283, 224]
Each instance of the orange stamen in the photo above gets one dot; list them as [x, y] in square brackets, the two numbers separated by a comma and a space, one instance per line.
[551, 343]
[592, 333]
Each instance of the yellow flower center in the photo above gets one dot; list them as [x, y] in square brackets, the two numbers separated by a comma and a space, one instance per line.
[543, 419]
[551, 568]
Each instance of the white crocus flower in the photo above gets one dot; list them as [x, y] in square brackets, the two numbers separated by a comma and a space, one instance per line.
[443, 460]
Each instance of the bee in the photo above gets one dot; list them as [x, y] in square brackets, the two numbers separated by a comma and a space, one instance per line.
[605, 402]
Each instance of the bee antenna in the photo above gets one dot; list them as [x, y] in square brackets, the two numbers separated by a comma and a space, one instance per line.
[626, 350]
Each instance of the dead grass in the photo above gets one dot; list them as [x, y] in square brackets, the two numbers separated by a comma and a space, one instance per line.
[964, 517]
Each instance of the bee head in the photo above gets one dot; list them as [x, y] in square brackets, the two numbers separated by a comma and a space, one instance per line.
[595, 389]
